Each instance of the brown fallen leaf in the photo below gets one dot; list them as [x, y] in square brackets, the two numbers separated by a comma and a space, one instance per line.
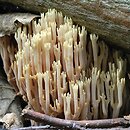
[11, 121]
[8, 22]
[9, 103]
[127, 117]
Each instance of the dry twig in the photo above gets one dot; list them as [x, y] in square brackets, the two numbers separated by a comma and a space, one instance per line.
[106, 123]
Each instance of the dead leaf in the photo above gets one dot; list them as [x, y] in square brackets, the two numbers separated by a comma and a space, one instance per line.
[11, 121]
[127, 117]
[8, 22]
[9, 104]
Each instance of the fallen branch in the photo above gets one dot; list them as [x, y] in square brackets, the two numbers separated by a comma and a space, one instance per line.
[81, 125]
[38, 117]
[46, 127]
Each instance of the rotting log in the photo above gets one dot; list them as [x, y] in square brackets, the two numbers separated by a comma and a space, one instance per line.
[110, 19]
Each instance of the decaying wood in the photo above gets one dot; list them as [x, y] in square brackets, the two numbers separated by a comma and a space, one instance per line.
[106, 123]
[108, 18]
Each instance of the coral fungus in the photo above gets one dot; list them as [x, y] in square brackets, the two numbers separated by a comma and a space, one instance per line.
[61, 72]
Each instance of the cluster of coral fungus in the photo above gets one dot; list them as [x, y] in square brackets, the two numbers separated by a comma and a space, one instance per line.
[63, 73]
